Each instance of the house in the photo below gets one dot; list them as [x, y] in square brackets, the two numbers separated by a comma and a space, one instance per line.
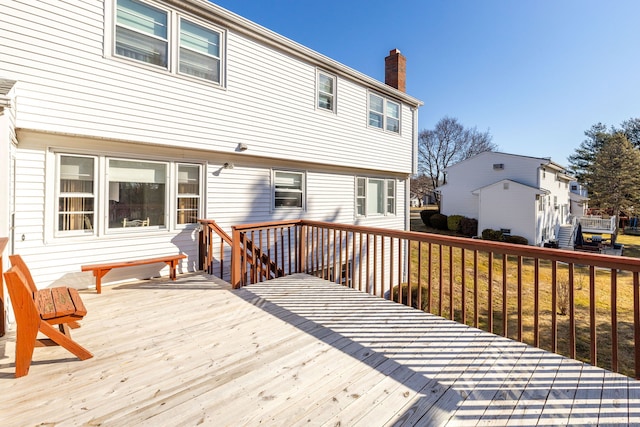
[520, 195]
[124, 121]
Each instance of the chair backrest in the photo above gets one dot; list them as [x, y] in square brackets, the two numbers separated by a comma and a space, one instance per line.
[21, 297]
[21, 266]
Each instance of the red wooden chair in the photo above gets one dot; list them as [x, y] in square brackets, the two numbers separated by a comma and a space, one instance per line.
[40, 313]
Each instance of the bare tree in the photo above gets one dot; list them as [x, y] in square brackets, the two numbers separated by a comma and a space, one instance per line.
[448, 143]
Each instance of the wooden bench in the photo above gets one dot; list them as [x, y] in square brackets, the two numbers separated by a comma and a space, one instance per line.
[99, 270]
[39, 312]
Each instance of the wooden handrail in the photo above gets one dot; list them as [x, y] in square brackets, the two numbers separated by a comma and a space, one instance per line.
[488, 289]
[3, 244]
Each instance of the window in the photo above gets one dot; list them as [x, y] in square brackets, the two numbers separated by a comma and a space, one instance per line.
[326, 91]
[76, 194]
[163, 38]
[375, 196]
[137, 193]
[376, 111]
[199, 51]
[141, 32]
[288, 189]
[188, 205]
[384, 114]
[393, 117]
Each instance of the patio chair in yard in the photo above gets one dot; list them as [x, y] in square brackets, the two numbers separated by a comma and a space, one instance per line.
[39, 311]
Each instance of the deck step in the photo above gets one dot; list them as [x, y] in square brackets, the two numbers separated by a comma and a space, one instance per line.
[565, 237]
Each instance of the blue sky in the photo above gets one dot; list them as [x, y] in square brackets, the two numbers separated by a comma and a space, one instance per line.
[535, 73]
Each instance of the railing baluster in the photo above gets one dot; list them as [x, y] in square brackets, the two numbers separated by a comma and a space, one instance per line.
[409, 294]
[463, 296]
[554, 306]
[451, 291]
[490, 292]
[536, 302]
[592, 316]
[429, 278]
[375, 265]
[505, 299]
[391, 258]
[419, 302]
[440, 280]
[614, 320]
[519, 298]
[360, 263]
[333, 254]
[636, 323]
[476, 312]
[572, 316]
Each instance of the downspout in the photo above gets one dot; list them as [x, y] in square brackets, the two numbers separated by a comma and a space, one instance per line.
[414, 168]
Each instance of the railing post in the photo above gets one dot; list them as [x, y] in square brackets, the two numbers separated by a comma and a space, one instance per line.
[236, 259]
[302, 249]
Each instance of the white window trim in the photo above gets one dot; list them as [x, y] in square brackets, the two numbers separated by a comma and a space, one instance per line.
[333, 110]
[385, 113]
[173, 37]
[303, 190]
[101, 188]
[176, 167]
[57, 233]
[385, 196]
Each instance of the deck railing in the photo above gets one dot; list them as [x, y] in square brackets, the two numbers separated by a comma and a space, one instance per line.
[596, 224]
[209, 230]
[582, 305]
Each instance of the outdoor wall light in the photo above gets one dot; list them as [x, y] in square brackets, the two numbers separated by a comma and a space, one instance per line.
[242, 147]
[227, 166]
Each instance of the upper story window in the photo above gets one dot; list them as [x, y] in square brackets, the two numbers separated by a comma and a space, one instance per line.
[383, 113]
[326, 92]
[375, 196]
[142, 32]
[199, 51]
[76, 191]
[166, 39]
[288, 189]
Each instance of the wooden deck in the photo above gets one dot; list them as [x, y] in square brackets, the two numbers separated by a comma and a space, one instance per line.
[296, 351]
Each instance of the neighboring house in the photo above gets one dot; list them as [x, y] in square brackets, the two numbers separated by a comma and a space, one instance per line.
[521, 195]
[579, 198]
[158, 112]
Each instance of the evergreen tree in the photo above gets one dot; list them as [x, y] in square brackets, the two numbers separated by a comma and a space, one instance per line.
[615, 175]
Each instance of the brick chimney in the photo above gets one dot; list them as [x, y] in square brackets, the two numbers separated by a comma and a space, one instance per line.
[395, 70]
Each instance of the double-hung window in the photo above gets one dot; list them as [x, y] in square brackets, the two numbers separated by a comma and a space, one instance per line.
[165, 38]
[188, 194]
[199, 51]
[288, 189]
[142, 32]
[384, 114]
[375, 196]
[76, 191]
[326, 92]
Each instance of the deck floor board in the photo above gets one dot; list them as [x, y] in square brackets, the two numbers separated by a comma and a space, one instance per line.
[296, 351]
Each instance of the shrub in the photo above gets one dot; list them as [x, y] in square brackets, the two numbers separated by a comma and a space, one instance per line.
[438, 221]
[426, 214]
[489, 234]
[469, 226]
[518, 240]
[453, 222]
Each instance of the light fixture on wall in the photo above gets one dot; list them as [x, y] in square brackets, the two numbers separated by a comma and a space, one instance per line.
[227, 165]
[242, 147]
